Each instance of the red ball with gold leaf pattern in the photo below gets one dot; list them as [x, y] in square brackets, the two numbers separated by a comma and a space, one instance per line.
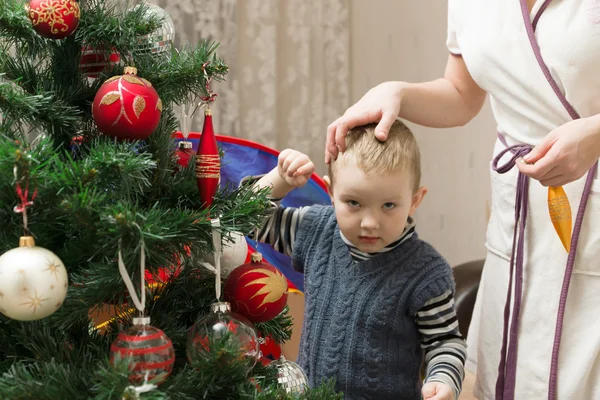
[256, 290]
[127, 107]
[149, 350]
[54, 19]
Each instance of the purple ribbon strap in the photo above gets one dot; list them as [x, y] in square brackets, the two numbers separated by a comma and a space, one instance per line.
[507, 369]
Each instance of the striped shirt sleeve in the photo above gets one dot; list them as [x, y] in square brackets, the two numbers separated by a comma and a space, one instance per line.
[444, 347]
[280, 227]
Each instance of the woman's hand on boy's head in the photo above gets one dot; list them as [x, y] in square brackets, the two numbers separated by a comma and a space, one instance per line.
[437, 391]
[381, 104]
[295, 167]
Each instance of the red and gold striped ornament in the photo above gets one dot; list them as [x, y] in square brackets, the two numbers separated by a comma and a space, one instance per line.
[256, 290]
[208, 163]
[54, 19]
[149, 349]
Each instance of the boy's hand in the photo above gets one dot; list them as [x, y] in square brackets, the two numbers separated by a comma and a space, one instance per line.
[437, 391]
[294, 167]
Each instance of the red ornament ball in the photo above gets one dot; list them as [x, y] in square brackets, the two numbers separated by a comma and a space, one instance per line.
[270, 350]
[184, 154]
[127, 107]
[165, 275]
[54, 19]
[150, 350]
[94, 61]
[256, 290]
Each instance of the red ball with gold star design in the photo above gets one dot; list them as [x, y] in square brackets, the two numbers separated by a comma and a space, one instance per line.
[54, 19]
[256, 290]
[33, 282]
[127, 107]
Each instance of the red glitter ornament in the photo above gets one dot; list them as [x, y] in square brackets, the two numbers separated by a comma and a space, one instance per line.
[127, 107]
[208, 164]
[54, 19]
[149, 349]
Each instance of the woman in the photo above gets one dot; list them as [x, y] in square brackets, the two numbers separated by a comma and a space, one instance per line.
[540, 63]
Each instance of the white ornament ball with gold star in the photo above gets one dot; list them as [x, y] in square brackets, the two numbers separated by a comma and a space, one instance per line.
[33, 282]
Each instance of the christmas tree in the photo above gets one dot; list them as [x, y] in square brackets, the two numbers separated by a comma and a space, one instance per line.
[105, 287]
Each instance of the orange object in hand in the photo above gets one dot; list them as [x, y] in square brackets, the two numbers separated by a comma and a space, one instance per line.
[560, 214]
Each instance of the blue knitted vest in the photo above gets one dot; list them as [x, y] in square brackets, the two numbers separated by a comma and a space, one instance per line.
[359, 324]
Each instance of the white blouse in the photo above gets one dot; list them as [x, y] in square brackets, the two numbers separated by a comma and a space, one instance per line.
[491, 37]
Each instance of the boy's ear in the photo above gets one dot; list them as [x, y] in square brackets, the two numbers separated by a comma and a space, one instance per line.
[329, 187]
[416, 199]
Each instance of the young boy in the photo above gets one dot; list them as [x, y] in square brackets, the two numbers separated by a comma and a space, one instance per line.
[377, 299]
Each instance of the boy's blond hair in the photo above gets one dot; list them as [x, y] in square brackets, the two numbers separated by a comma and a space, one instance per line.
[399, 152]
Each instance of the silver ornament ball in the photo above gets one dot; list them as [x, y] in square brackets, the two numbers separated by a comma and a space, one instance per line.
[160, 40]
[290, 376]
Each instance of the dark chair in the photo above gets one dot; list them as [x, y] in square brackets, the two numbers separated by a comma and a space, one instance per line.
[467, 277]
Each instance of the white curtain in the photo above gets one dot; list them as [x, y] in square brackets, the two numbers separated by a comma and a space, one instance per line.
[289, 66]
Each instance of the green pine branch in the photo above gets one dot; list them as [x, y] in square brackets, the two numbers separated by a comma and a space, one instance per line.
[109, 25]
[97, 197]
[40, 110]
[16, 29]
[46, 89]
[185, 72]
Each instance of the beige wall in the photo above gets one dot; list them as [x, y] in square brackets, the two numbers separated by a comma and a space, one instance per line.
[405, 40]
